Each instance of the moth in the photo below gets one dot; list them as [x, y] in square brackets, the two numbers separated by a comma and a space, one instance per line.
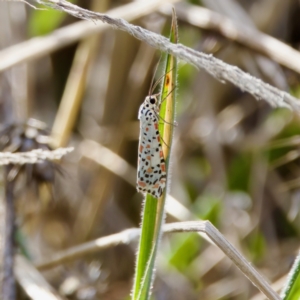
[151, 176]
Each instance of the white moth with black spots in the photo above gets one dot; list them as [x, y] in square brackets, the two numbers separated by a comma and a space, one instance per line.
[151, 177]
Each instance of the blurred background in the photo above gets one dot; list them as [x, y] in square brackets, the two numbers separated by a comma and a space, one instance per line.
[235, 160]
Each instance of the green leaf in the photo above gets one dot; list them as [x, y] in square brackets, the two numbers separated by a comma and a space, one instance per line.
[184, 254]
[208, 207]
[291, 291]
[153, 214]
[257, 246]
[44, 21]
[145, 245]
[239, 172]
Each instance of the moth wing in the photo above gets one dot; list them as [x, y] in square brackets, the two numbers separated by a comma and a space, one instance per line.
[158, 166]
[143, 154]
[151, 176]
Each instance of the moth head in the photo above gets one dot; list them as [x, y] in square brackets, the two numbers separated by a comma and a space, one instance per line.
[151, 100]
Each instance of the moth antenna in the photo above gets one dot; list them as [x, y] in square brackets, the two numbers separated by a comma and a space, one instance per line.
[157, 94]
[165, 142]
[164, 121]
[152, 80]
[159, 80]
[172, 90]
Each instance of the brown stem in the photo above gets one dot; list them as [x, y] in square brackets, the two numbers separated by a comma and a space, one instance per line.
[9, 286]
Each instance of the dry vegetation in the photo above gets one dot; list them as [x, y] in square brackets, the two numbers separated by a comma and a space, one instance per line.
[234, 162]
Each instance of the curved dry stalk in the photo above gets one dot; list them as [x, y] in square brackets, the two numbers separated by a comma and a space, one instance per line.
[130, 235]
[277, 286]
[217, 68]
[212, 232]
[37, 47]
[245, 35]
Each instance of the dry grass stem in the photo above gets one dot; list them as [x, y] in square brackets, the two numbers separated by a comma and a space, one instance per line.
[229, 250]
[277, 286]
[60, 38]
[127, 236]
[33, 157]
[245, 35]
[124, 237]
[75, 86]
[215, 67]
[109, 160]
[32, 282]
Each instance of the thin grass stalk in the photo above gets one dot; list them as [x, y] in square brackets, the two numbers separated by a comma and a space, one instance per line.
[146, 242]
[291, 288]
[154, 214]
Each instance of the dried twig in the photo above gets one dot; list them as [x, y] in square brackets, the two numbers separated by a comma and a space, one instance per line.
[32, 282]
[123, 237]
[32, 157]
[127, 236]
[212, 65]
[243, 34]
[23, 1]
[8, 284]
[62, 37]
[8, 291]
[229, 250]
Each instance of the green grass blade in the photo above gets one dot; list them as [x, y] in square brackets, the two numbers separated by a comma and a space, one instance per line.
[291, 291]
[146, 242]
[153, 214]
